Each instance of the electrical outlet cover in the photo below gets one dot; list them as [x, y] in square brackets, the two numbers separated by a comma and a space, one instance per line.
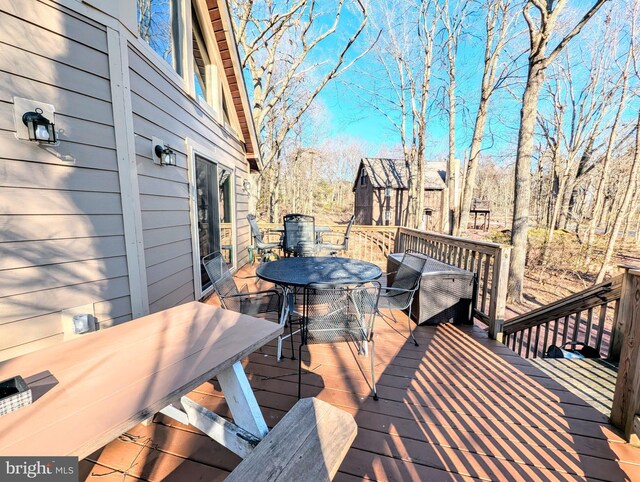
[67, 320]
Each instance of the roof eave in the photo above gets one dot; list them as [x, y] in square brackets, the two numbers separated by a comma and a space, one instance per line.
[241, 101]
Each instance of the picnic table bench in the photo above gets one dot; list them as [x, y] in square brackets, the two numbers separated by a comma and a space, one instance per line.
[90, 390]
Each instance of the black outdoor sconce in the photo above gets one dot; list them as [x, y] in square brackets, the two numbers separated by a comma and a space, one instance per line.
[166, 154]
[40, 128]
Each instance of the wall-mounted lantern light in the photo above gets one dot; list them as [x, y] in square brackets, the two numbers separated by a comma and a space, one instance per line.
[246, 185]
[166, 155]
[39, 127]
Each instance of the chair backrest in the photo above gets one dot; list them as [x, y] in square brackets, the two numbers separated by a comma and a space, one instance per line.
[255, 229]
[298, 230]
[220, 276]
[347, 232]
[339, 313]
[409, 272]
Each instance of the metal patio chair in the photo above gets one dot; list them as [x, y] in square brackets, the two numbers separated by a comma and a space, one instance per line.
[339, 314]
[239, 299]
[333, 248]
[263, 248]
[399, 294]
[299, 235]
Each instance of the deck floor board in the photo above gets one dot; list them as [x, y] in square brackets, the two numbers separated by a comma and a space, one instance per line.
[458, 407]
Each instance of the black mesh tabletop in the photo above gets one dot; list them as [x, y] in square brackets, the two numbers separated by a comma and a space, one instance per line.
[327, 270]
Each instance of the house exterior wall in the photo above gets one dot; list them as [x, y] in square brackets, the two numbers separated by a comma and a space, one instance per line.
[93, 221]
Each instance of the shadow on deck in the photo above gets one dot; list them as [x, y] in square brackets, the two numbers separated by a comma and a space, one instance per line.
[458, 407]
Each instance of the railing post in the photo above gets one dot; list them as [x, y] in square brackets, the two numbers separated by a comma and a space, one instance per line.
[617, 328]
[626, 398]
[498, 302]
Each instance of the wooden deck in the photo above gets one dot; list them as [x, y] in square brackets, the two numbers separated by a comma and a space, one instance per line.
[593, 380]
[458, 407]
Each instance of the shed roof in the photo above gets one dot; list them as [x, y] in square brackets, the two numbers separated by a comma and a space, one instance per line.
[394, 172]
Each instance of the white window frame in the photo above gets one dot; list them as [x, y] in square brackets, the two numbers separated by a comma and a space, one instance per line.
[217, 157]
[216, 73]
[184, 17]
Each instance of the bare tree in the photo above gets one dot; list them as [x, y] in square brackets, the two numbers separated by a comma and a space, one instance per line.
[279, 43]
[603, 179]
[541, 17]
[399, 89]
[453, 21]
[498, 21]
[623, 209]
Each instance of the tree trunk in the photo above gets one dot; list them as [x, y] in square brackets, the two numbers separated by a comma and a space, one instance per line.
[472, 165]
[554, 219]
[522, 188]
[624, 207]
[452, 175]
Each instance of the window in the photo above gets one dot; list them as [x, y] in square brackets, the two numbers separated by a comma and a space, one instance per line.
[200, 60]
[159, 26]
[363, 178]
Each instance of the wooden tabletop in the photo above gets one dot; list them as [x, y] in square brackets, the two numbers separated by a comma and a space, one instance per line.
[90, 390]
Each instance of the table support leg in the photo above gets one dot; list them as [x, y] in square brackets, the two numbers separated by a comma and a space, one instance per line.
[287, 309]
[241, 400]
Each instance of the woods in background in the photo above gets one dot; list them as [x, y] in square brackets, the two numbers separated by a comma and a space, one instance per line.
[539, 100]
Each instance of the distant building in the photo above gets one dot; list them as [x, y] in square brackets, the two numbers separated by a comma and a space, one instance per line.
[381, 191]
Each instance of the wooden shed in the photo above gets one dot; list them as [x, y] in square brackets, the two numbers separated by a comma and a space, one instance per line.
[381, 191]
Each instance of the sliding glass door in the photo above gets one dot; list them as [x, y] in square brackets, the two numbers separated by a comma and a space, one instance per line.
[214, 199]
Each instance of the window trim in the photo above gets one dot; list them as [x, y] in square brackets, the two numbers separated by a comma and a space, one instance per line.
[216, 156]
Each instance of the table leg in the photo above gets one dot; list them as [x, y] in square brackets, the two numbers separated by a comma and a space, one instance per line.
[287, 308]
[241, 400]
[248, 427]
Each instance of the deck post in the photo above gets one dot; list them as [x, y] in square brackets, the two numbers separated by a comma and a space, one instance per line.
[626, 398]
[498, 301]
[617, 328]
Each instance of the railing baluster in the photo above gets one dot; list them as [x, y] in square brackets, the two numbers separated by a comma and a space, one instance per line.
[485, 284]
[565, 329]
[520, 343]
[535, 348]
[576, 328]
[546, 338]
[528, 342]
[555, 331]
[601, 321]
[587, 333]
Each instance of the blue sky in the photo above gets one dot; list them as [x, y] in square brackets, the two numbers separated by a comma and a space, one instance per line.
[346, 115]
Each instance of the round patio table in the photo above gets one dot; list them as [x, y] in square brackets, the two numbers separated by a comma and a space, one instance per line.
[291, 273]
[325, 270]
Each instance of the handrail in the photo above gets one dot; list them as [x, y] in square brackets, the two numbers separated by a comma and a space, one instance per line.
[562, 321]
[489, 261]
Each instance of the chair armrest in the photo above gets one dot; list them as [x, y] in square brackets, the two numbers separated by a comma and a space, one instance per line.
[391, 288]
[251, 293]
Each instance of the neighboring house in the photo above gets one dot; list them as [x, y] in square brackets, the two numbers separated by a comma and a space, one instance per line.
[93, 224]
[381, 191]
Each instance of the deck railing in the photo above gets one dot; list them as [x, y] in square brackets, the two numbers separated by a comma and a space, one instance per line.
[588, 317]
[369, 243]
[489, 262]
[625, 412]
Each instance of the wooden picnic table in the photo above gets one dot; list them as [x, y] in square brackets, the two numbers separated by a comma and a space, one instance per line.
[90, 390]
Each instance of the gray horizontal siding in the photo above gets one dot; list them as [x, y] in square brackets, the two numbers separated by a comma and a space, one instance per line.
[163, 110]
[61, 229]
